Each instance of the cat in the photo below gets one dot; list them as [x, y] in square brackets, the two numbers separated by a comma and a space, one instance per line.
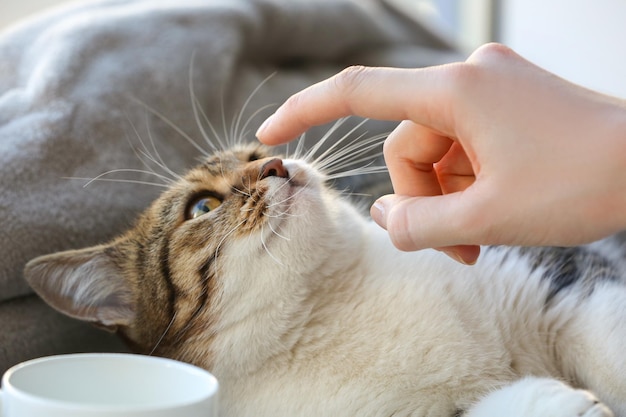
[252, 267]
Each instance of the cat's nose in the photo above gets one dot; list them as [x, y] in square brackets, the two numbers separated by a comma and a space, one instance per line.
[274, 168]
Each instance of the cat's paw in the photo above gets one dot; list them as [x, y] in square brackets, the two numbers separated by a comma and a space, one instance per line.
[540, 397]
[563, 401]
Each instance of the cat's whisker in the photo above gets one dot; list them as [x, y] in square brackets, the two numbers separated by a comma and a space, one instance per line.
[139, 153]
[284, 200]
[354, 153]
[235, 126]
[91, 180]
[280, 187]
[300, 146]
[244, 130]
[167, 329]
[233, 230]
[282, 215]
[342, 165]
[239, 191]
[201, 117]
[113, 171]
[143, 153]
[182, 332]
[280, 202]
[249, 186]
[229, 139]
[322, 141]
[300, 190]
[269, 253]
[157, 159]
[173, 126]
[198, 111]
[355, 194]
[298, 152]
[358, 171]
[275, 232]
[333, 148]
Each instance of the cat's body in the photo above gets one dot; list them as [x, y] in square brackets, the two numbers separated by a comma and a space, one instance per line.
[252, 268]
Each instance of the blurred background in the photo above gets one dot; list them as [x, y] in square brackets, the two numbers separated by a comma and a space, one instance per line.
[580, 40]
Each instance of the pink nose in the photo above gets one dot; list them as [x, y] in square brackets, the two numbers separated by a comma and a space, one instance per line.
[274, 168]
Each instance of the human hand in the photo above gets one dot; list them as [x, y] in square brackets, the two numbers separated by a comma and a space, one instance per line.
[493, 150]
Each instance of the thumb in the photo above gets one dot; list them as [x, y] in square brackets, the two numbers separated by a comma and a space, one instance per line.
[415, 223]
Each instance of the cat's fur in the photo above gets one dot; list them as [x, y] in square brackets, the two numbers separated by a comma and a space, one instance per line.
[301, 306]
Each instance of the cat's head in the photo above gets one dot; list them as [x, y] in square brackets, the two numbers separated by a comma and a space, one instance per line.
[218, 271]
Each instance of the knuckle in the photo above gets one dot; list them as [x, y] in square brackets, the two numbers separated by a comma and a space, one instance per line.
[399, 225]
[463, 77]
[348, 80]
[390, 146]
[478, 223]
[491, 51]
[459, 79]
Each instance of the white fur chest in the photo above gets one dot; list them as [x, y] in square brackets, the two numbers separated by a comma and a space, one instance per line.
[381, 335]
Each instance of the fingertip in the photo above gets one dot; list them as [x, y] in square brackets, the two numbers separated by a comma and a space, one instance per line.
[397, 219]
[464, 254]
[281, 127]
[377, 211]
[262, 133]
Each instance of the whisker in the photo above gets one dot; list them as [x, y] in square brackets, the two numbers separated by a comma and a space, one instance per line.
[351, 152]
[237, 120]
[275, 232]
[358, 171]
[244, 130]
[299, 153]
[153, 184]
[229, 139]
[268, 251]
[157, 160]
[172, 125]
[198, 111]
[243, 193]
[167, 329]
[113, 171]
[221, 242]
[340, 140]
[276, 203]
[315, 148]
[139, 153]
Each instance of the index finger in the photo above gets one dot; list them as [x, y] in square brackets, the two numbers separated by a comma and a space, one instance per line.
[420, 95]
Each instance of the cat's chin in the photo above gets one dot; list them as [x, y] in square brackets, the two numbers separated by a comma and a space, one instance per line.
[305, 218]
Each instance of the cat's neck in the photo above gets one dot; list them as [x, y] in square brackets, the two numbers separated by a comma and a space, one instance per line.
[290, 281]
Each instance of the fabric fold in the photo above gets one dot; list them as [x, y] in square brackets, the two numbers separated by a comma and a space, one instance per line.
[89, 89]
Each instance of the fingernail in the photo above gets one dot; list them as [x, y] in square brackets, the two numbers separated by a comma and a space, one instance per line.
[377, 212]
[457, 257]
[264, 126]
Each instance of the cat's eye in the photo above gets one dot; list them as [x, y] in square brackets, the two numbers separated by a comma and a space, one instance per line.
[202, 205]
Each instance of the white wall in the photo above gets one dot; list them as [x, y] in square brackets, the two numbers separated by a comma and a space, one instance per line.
[580, 40]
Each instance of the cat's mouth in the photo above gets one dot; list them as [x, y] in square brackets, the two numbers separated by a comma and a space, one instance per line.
[289, 182]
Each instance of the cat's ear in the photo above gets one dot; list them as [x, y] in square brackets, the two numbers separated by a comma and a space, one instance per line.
[85, 284]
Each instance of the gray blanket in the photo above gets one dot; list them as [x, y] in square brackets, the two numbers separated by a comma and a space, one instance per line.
[84, 88]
